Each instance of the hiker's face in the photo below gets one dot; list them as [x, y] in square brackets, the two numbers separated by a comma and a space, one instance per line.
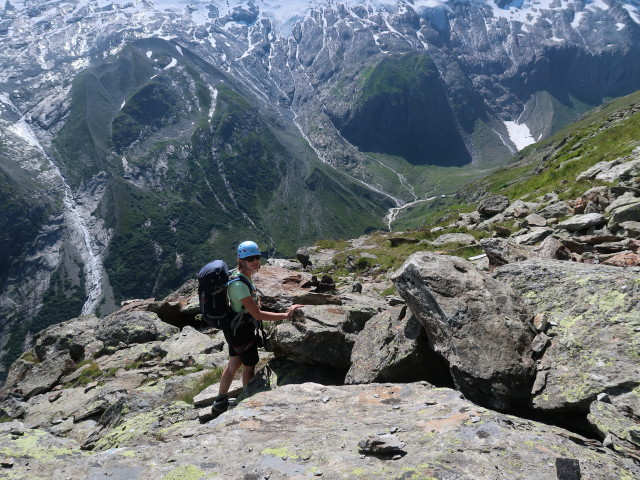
[252, 263]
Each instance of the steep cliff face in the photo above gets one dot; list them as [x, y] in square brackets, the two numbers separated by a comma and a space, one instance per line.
[401, 109]
[142, 138]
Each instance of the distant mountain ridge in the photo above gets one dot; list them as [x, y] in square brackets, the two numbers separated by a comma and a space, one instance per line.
[138, 139]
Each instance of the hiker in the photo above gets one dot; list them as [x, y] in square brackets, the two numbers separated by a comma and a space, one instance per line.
[242, 337]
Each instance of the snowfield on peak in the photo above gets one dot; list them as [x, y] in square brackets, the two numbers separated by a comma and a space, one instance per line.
[283, 14]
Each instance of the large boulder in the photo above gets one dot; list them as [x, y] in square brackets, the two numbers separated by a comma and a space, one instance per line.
[186, 345]
[324, 336]
[85, 337]
[393, 347]
[556, 210]
[593, 315]
[479, 325]
[32, 378]
[493, 205]
[581, 222]
[612, 171]
[324, 331]
[627, 210]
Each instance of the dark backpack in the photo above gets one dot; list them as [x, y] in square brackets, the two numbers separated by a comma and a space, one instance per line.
[213, 280]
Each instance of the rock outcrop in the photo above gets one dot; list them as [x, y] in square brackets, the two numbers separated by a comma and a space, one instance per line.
[476, 323]
[593, 314]
[134, 386]
[300, 431]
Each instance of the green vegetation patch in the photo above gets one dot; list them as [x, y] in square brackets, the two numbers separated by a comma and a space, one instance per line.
[185, 472]
[90, 373]
[209, 378]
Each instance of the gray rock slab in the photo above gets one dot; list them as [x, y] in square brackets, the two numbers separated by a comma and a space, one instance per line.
[556, 210]
[593, 316]
[479, 325]
[630, 229]
[391, 348]
[292, 432]
[532, 236]
[31, 379]
[611, 171]
[581, 222]
[493, 205]
[463, 238]
[610, 421]
[183, 346]
[535, 220]
[624, 213]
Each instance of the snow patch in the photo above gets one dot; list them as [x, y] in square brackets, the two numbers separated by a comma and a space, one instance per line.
[23, 130]
[597, 4]
[633, 12]
[214, 98]
[149, 53]
[576, 21]
[519, 134]
[173, 63]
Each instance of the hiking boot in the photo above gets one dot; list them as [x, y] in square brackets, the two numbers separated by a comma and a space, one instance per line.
[220, 405]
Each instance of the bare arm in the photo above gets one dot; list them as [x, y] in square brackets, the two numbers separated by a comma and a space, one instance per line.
[252, 307]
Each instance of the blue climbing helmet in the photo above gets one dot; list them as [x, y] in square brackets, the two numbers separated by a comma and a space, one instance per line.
[248, 249]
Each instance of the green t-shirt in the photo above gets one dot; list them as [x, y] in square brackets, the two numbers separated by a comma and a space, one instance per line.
[237, 291]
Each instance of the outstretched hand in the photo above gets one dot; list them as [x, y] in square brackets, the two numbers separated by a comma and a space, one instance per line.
[292, 310]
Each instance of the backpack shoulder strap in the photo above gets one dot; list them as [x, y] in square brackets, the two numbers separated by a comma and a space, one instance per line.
[244, 280]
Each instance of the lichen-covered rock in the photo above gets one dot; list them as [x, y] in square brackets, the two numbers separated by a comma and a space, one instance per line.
[77, 336]
[622, 430]
[144, 428]
[37, 454]
[88, 336]
[132, 327]
[300, 431]
[476, 323]
[594, 321]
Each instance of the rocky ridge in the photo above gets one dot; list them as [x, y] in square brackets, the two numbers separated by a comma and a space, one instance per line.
[335, 81]
[526, 352]
[365, 384]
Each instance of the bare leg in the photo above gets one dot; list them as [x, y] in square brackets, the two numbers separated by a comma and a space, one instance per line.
[247, 374]
[229, 372]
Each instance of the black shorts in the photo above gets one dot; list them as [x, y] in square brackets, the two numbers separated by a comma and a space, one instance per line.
[243, 344]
